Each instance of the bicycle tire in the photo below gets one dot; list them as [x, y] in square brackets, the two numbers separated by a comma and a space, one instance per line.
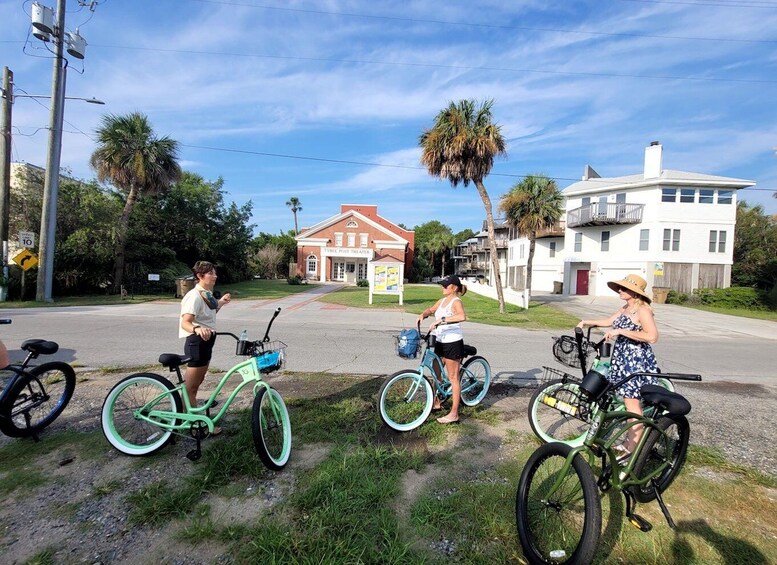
[475, 378]
[271, 429]
[405, 400]
[125, 432]
[563, 526]
[550, 424]
[37, 398]
[667, 443]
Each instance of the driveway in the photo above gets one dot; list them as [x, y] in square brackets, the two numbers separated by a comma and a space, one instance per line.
[325, 337]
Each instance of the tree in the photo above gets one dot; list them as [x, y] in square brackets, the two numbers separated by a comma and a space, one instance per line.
[135, 161]
[270, 257]
[532, 205]
[460, 147]
[755, 248]
[296, 206]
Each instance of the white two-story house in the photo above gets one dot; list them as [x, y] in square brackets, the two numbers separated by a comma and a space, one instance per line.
[674, 228]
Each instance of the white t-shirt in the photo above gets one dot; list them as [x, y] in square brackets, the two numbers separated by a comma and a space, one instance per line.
[193, 303]
[447, 333]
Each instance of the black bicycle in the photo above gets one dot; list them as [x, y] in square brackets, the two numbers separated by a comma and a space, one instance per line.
[34, 396]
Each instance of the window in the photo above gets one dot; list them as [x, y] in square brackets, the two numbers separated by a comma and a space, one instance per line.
[352, 224]
[578, 242]
[521, 251]
[586, 200]
[362, 240]
[669, 195]
[351, 239]
[605, 241]
[350, 268]
[338, 239]
[725, 196]
[687, 195]
[552, 248]
[644, 240]
[717, 241]
[671, 240]
[602, 208]
[362, 271]
[312, 264]
[706, 195]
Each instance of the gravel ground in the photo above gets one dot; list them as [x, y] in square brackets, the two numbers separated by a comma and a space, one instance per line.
[82, 513]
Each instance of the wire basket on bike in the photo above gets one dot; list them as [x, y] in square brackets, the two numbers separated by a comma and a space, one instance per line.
[550, 374]
[408, 343]
[271, 356]
[565, 350]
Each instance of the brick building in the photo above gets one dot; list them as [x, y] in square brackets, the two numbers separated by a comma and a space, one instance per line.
[340, 248]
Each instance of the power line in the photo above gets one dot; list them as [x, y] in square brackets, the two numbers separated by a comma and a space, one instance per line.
[482, 25]
[440, 66]
[373, 164]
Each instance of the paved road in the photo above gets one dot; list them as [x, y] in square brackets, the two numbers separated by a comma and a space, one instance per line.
[330, 338]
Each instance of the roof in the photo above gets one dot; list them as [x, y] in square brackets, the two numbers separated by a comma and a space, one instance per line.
[310, 232]
[668, 177]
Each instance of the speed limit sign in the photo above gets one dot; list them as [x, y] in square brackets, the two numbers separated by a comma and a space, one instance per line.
[26, 239]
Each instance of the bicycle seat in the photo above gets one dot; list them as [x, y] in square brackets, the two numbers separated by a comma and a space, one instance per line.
[40, 346]
[470, 350]
[171, 360]
[672, 402]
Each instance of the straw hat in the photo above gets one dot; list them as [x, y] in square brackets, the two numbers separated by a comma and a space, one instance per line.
[634, 283]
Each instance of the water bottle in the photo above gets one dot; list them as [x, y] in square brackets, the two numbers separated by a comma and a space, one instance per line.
[241, 344]
[559, 405]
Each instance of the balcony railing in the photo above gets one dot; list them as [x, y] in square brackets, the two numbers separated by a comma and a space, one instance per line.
[598, 214]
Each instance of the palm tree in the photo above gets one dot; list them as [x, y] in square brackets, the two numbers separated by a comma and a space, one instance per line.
[296, 206]
[134, 160]
[532, 205]
[460, 147]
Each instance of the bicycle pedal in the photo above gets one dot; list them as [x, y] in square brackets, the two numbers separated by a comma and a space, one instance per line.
[640, 523]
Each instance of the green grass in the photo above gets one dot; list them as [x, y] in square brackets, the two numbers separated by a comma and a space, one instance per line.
[418, 297]
[22, 468]
[770, 315]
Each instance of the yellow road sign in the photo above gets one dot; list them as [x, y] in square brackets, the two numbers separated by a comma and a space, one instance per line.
[26, 259]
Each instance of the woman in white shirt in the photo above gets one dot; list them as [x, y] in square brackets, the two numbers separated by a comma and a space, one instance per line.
[449, 313]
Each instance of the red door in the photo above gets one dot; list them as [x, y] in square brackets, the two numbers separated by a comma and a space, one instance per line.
[582, 282]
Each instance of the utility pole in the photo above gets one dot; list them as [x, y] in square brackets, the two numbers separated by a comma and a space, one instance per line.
[48, 221]
[5, 164]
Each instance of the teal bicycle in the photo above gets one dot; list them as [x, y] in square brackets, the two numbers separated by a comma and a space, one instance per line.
[406, 398]
[144, 411]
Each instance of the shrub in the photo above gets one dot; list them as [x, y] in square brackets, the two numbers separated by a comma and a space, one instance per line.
[296, 279]
[770, 298]
[733, 297]
[675, 297]
[362, 282]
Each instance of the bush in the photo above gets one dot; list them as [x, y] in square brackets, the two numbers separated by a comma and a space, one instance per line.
[362, 282]
[296, 279]
[675, 297]
[770, 298]
[733, 297]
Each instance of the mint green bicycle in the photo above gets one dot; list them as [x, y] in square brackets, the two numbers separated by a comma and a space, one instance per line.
[143, 412]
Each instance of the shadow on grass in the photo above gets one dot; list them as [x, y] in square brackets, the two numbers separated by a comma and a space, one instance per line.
[730, 549]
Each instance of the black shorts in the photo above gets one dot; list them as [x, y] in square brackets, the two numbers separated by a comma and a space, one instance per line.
[452, 350]
[199, 350]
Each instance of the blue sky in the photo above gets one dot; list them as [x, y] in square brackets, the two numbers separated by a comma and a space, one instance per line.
[325, 100]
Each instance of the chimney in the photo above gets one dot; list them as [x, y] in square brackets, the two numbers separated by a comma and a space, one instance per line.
[654, 156]
[589, 173]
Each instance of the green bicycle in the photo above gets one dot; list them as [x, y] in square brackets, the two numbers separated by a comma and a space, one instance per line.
[406, 398]
[143, 412]
[557, 507]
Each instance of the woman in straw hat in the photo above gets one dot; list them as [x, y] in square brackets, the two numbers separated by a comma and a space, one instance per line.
[633, 329]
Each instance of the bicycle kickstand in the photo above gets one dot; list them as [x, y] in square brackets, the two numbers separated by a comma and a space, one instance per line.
[664, 509]
[635, 519]
[195, 453]
[27, 421]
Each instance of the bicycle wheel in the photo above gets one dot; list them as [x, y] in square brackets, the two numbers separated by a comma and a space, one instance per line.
[405, 400]
[667, 445]
[475, 378]
[38, 396]
[127, 432]
[558, 411]
[562, 524]
[271, 428]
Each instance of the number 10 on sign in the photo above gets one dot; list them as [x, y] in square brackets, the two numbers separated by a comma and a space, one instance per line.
[26, 239]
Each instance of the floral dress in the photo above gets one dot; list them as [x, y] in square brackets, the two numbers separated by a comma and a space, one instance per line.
[629, 356]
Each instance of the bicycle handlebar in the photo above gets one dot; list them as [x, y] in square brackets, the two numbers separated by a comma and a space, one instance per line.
[266, 337]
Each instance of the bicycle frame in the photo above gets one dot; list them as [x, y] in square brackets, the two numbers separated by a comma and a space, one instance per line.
[442, 384]
[248, 370]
